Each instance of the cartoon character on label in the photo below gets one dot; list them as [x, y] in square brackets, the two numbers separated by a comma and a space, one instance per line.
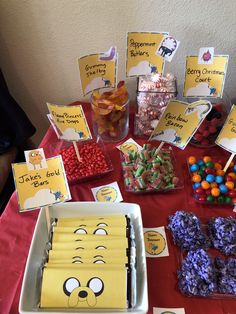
[35, 158]
[168, 46]
[78, 293]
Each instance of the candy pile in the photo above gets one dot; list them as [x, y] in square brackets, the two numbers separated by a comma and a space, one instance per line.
[154, 92]
[149, 170]
[202, 276]
[210, 183]
[187, 231]
[111, 113]
[226, 275]
[210, 127]
[222, 232]
[197, 275]
[93, 161]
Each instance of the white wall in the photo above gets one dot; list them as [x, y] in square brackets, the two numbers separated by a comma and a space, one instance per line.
[41, 40]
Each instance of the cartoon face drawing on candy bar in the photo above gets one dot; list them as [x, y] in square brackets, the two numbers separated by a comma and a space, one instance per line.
[96, 231]
[79, 293]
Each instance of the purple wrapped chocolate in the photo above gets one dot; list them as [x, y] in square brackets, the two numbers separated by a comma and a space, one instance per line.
[226, 275]
[187, 232]
[197, 276]
[222, 232]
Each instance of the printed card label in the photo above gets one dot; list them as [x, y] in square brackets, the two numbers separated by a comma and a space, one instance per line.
[205, 80]
[70, 122]
[129, 146]
[163, 310]
[168, 47]
[98, 70]
[41, 187]
[107, 193]
[155, 242]
[35, 159]
[141, 53]
[180, 121]
[227, 137]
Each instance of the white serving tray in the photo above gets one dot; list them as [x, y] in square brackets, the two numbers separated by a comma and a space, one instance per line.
[30, 291]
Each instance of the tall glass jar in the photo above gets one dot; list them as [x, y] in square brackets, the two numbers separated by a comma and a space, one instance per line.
[111, 113]
[153, 94]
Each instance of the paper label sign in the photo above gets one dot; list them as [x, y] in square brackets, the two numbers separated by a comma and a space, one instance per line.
[141, 53]
[70, 122]
[41, 187]
[107, 193]
[180, 121]
[227, 137]
[129, 146]
[205, 80]
[155, 242]
[98, 70]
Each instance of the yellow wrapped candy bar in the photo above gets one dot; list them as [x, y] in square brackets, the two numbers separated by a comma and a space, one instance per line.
[99, 231]
[103, 244]
[91, 254]
[84, 287]
[93, 221]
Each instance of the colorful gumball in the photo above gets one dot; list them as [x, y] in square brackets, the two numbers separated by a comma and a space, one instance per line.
[205, 185]
[219, 179]
[196, 178]
[215, 192]
[230, 185]
[210, 178]
[192, 160]
[223, 188]
[209, 164]
[194, 167]
[206, 159]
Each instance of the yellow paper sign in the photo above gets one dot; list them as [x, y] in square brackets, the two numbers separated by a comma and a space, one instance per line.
[227, 137]
[98, 70]
[41, 187]
[142, 58]
[180, 121]
[129, 146]
[70, 122]
[205, 80]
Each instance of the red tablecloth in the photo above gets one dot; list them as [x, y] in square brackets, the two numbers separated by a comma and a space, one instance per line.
[16, 232]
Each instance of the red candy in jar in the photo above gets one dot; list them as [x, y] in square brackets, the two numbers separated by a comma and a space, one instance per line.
[212, 124]
[93, 161]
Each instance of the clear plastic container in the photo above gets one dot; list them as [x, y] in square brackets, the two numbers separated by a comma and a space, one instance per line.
[153, 94]
[208, 131]
[95, 161]
[156, 173]
[202, 190]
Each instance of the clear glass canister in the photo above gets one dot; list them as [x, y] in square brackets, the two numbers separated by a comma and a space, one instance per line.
[153, 94]
[111, 113]
[209, 129]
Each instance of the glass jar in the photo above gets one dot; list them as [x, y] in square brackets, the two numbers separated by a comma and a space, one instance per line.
[153, 94]
[111, 114]
[211, 126]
